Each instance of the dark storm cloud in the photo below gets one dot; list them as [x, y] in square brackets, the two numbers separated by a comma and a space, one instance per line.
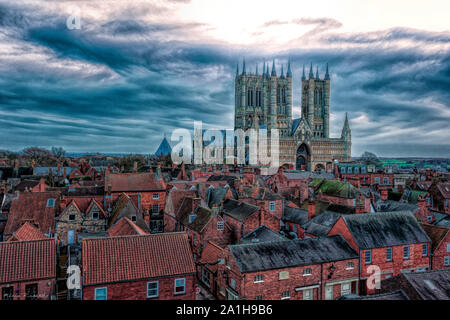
[117, 86]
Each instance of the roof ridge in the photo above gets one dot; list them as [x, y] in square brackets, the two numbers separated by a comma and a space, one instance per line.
[27, 241]
[137, 235]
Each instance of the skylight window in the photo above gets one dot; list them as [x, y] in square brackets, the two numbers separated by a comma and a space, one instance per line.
[50, 203]
[192, 218]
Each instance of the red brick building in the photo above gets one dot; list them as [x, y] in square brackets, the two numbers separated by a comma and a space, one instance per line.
[440, 245]
[27, 270]
[310, 269]
[393, 241]
[207, 266]
[440, 196]
[157, 266]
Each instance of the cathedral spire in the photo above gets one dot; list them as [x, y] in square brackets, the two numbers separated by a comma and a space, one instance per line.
[327, 76]
[346, 132]
[311, 74]
[282, 71]
[303, 75]
[289, 72]
[267, 71]
[274, 73]
[317, 72]
[237, 70]
[264, 68]
[243, 68]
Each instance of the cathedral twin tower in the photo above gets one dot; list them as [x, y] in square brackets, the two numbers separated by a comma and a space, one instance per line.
[265, 101]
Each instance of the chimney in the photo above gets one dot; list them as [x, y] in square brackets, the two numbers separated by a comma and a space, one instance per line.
[302, 233]
[42, 185]
[360, 204]
[311, 209]
[421, 203]
[261, 216]
[384, 194]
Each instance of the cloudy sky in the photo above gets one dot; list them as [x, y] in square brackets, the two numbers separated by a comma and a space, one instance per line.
[136, 69]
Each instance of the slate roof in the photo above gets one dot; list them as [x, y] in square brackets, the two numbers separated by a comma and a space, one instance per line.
[25, 184]
[261, 234]
[175, 198]
[390, 205]
[394, 295]
[115, 259]
[378, 230]
[125, 227]
[27, 260]
[27, 232]
[238, 209]
[285, 254]
[204, 215]
[295, 215]
[215, 196]
[430, 285]
[338, 189]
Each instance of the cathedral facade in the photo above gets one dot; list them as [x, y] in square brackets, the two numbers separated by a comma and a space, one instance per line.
[264, 100]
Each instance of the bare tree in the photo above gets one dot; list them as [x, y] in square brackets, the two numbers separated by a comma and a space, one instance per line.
[59, 153]
[40, 156]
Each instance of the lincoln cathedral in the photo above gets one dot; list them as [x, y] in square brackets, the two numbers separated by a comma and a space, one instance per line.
[264, 100]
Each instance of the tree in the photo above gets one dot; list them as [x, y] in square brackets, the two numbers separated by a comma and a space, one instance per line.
[369, 157]
[40, 156]
[59, 153]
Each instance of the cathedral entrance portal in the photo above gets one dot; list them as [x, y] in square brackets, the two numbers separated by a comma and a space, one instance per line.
[302, 158]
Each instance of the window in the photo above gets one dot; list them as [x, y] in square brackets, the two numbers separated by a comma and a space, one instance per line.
[388, 254]
[424, 250]
[406, 253]
[155, 208]
[155, 196]
[192, 217]
[133, 218]
[356, 170]
[101, 293]
[232, 283]
[259, 278]
[259, 298]
[152, 289]
[385, 180]
[307, 272]
[31, 291]
[349, 266]
[377, 180]
[346, 288]
[220, 225]
[71, 217]
[95, 214]
[180, 286]
[7, 293]
[308, 294]
[50, 203]
[363, 170]
[285, 295]
[446, 261]
[448, 247]
[429, 218]
[206, 277]
[272, 205]
[368, 257]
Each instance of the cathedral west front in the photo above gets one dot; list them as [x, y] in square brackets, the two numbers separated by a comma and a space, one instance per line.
[264, 100]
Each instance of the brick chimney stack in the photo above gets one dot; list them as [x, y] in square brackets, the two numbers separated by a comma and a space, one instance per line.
[384, 194]
[311, 209]
[42, 185]
[421, 202]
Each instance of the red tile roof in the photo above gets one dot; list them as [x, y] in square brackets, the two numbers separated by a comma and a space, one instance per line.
[27, 232]
[210, 254]
[32, 206]
[125, 227]
[436, 233]
[27, 260]
[115, 259]
[175, 199]
[133, 182]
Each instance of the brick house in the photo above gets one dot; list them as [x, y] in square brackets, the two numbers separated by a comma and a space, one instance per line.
[393, 241]
[173, 203]
[440, 245]
[207, 266]
[243, 218]
[364, 175]
[125, 227]
[38, 208]
[440, 196]
[131, 268]
[128, 206]
[31, 186]
[27, 270]
[203, 225]
[309, 269]
[268, 201]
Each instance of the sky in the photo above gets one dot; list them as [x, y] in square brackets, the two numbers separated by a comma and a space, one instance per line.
[121, 74]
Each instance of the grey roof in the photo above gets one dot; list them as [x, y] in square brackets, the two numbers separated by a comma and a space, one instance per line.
[378, 230]
[238, 210]
[394, 295]
[306, 175]
[295, 215]
[262, 234]
[43, 171]
[390, 205]
[442, 219]
[285, 254]
[215, 196]
[431, 285]
[321, 224]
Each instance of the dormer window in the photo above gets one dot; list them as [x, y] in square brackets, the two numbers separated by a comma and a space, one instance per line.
[50, 203]
[155, 196]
